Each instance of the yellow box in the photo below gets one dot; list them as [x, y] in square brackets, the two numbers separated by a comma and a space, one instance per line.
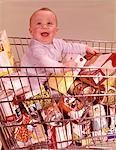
[61, 82]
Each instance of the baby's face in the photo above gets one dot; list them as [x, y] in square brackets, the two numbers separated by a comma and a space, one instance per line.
[43, 26]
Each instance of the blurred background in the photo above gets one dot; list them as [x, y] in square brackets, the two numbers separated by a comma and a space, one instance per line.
[78, 19]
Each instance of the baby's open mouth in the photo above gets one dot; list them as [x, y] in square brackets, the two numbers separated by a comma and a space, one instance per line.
[45, 34]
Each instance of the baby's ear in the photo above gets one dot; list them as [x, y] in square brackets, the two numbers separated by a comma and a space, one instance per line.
[30, 30]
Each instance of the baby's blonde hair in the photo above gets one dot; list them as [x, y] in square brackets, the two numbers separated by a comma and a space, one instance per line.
[43, 9]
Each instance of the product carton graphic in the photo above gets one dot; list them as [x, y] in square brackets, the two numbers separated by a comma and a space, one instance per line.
[100, 67]
[6, 56]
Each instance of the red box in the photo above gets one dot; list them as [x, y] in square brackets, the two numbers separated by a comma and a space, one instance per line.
[99, 68]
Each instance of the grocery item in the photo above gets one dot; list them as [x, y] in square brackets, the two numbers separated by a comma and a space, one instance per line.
[98, 67]
[16, 81]
[52, 114]
[84, 92]
[6, 54]
[6, 105]
[27, 133]
[99, 120]
[60, 136]
[68, 104]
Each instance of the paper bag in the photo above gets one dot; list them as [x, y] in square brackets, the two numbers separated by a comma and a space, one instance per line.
[6, 56]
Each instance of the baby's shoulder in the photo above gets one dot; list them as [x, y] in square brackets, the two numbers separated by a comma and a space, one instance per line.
[34, 43]
[58, 40]
[59, 43]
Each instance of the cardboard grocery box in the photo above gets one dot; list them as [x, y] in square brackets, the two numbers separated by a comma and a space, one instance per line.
[6, 55]
[99, 67]
[102, 60]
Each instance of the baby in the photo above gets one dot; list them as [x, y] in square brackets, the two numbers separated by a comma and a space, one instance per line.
[47, 51]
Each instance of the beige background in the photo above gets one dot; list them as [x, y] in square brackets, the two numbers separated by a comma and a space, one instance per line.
[78, 19]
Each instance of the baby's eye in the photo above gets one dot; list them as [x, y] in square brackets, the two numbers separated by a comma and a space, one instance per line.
[49, 23]
[38, 23]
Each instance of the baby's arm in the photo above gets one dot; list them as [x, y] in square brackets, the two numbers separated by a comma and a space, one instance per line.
[77, 48]
[55, 66]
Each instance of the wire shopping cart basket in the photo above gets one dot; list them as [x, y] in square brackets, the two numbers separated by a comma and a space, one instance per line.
[71, 110]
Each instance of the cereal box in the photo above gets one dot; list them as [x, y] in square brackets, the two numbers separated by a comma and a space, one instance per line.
[6, 56]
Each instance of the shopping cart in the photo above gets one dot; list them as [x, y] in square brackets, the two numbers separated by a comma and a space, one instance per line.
[61, 114]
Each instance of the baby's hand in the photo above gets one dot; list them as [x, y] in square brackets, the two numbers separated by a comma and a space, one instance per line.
[70, 64]
[91, 50]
